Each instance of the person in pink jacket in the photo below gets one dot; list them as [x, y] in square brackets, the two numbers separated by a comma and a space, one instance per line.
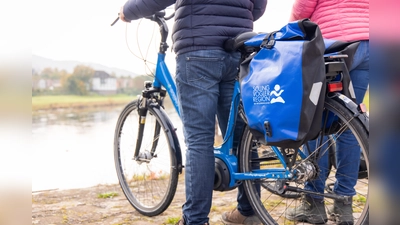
[342, 20]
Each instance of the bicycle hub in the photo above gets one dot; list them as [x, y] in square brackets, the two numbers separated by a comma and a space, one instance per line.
[305, 171]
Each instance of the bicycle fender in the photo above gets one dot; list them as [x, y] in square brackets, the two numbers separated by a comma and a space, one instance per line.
[353, 107]
[171, 133]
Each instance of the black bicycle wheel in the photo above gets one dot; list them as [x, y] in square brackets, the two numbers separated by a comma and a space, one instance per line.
[270, 206]
[149, 184]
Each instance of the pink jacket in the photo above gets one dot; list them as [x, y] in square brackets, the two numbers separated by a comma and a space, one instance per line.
[344, 20]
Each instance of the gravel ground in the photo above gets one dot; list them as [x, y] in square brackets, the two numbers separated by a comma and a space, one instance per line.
[83, 206]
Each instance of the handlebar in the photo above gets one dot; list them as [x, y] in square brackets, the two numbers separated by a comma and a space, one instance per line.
[155, 17]
[160, 18]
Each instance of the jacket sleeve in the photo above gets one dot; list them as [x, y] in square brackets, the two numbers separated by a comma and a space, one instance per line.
[302, 9]
[136, 9]
[259, 8]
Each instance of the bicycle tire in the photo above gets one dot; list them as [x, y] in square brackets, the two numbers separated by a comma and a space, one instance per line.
[271, 207]
[149, 186]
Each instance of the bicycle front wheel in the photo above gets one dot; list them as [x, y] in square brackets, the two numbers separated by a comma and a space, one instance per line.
[148, 177]
[271, 206]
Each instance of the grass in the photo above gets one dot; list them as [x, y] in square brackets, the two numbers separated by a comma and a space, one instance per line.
[272, 204]
[214, 208]
[366, 100]
[360, 199]
[64, 215]
[107, 195]
[67, 101]
[160, 175]
[172, 220]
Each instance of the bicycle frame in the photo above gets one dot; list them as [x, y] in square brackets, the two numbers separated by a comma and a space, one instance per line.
[163, 78]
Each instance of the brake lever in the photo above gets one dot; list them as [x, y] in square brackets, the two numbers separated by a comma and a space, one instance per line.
[161, 14]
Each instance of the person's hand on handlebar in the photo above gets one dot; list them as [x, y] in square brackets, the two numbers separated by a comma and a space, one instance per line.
[121, 15]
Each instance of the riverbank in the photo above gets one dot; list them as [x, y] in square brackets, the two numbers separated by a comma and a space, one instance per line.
[74, 101]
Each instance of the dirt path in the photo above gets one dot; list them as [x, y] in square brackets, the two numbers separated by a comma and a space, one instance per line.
[83, 206]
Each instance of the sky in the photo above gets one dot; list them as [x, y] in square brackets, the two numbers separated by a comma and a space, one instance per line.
[80, 30]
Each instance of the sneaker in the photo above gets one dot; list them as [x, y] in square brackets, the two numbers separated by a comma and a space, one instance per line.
[236, 218]
[342, 212]
[310, 210]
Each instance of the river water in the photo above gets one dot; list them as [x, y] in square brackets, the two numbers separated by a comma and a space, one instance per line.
[73, 148]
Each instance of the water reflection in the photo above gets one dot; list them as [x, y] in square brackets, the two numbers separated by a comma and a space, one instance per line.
[75, 117]
[73, 148]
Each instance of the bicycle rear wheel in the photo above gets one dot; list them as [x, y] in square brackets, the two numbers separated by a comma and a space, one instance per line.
[148, 179]
[269, 155]
[270, 206]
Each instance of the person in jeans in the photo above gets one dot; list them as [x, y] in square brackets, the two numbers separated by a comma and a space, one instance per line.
[205, 76]
[343, 20]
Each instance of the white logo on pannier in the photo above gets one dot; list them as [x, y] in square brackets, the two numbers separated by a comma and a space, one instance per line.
[263, 95]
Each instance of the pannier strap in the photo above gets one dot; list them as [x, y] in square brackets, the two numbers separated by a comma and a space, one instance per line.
[268, 41]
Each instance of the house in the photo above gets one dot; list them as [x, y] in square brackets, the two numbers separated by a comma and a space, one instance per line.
[103, 83]
[45, 84]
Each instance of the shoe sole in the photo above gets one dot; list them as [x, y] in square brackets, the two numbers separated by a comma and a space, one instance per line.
[308, 219]
[336, 220]
[231, 223]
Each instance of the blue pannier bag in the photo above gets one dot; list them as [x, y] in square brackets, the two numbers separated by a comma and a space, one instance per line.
[283, 84]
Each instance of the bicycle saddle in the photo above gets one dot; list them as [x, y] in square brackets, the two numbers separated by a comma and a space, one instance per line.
[233, 44]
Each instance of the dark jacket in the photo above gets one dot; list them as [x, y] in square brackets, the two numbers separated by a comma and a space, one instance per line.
[202, 24]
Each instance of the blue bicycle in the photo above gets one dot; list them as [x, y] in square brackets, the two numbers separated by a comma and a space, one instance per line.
[148, 155]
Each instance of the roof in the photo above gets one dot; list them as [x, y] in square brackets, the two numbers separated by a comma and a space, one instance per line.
[101, 74]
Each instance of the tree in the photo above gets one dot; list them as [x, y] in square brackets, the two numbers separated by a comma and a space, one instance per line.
[79, 81]
[52, 74]
[83, 73]
[76, 86]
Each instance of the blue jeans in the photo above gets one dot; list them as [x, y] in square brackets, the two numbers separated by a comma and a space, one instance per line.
[205, 81]
[347, 150]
